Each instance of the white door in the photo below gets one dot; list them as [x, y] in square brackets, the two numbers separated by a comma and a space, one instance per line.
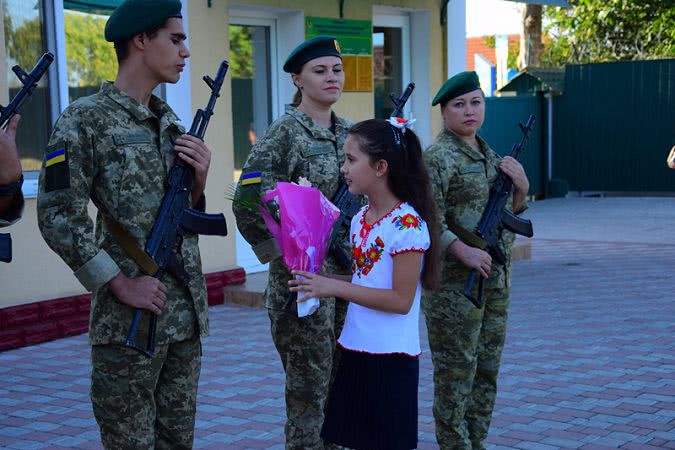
[251, 45]
[391, 60]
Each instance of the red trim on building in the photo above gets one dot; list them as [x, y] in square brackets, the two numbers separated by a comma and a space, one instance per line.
[42, 321]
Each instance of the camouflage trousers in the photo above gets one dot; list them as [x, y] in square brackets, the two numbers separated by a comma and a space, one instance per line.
[146, 403]
[466, 345]
[306, 347]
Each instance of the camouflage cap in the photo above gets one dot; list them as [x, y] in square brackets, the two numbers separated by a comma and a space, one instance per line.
[457, 85]
[133, 17]
[310, 49]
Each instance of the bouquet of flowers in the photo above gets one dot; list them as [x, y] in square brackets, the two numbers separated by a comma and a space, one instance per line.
[306, 219]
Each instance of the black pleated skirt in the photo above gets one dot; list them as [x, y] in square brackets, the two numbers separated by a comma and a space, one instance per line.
[373, 402]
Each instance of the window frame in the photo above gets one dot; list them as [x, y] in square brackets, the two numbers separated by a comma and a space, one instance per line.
[401, 21]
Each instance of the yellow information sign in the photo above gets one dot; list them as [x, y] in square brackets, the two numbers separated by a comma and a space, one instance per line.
[356, 42]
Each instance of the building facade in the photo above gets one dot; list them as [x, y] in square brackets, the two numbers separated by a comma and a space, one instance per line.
[389, 43]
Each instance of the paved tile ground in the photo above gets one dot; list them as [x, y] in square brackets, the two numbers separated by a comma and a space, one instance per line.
[589, 363]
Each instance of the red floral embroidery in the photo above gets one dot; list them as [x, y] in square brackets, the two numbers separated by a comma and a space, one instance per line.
[364, 260]
[407, 221]
[366, 228]
[407, 250]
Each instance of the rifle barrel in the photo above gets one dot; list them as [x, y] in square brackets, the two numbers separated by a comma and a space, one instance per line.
[402, 100]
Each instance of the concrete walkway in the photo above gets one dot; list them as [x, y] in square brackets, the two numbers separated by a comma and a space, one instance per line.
[589, 360]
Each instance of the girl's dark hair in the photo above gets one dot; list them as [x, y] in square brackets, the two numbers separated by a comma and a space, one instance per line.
[407, 179]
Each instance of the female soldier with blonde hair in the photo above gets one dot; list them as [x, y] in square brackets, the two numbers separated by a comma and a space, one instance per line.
[305, 142]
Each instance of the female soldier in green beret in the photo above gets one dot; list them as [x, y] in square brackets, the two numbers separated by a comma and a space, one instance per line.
[466, 342]
[305, 142]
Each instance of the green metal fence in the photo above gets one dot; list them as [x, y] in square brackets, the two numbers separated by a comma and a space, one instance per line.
[614, 126]
[501, 131]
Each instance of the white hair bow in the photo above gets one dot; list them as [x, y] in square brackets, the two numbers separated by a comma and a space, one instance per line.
[400, 123]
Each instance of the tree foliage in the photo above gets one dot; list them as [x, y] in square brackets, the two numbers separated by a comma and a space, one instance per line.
[609, 30]
[90, 58]
[24, 45]
[241, 51]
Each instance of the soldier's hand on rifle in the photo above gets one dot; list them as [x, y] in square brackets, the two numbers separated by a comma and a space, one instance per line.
[473, 258]
[143, 292]
[10, 165]
[512, 167]
[516, 172]
[195, 152]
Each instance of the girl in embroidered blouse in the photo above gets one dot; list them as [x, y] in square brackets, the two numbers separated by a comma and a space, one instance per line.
[373, 401]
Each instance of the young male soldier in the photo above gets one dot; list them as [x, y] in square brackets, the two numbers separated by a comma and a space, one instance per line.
[115, 148]
[11, 196]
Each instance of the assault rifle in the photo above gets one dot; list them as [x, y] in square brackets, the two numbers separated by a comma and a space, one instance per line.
[348, 203]
[496, 217]
[30, 82]
[176, 218]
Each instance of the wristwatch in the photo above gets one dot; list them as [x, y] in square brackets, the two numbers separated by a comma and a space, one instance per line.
[11, 188]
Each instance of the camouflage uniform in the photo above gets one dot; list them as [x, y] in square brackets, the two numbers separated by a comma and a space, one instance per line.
[116, 152]
[465, 342]
[294, 146]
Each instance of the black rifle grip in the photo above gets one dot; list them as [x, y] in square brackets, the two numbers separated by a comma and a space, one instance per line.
[5, 248]
[468, 288]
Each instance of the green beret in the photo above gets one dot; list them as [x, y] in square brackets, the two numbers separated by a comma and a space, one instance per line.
[458, 85]
[134, 17]
[311, 49]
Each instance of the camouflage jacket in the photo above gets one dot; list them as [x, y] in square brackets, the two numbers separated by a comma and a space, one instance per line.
[293, 147]
[461, 178]
[13, 214]
[109, 148]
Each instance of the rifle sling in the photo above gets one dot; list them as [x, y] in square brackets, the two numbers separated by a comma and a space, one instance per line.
[130, 246]
[468, 237]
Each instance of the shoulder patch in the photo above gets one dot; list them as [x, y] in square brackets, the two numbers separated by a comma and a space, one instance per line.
[57, 173]
[251, 178]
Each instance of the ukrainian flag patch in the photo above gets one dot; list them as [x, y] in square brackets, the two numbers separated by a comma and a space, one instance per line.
[55, 157]
[251, 178]
[57, 173]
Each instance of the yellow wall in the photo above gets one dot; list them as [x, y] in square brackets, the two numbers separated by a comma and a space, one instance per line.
[38, 274]
[209, 45]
